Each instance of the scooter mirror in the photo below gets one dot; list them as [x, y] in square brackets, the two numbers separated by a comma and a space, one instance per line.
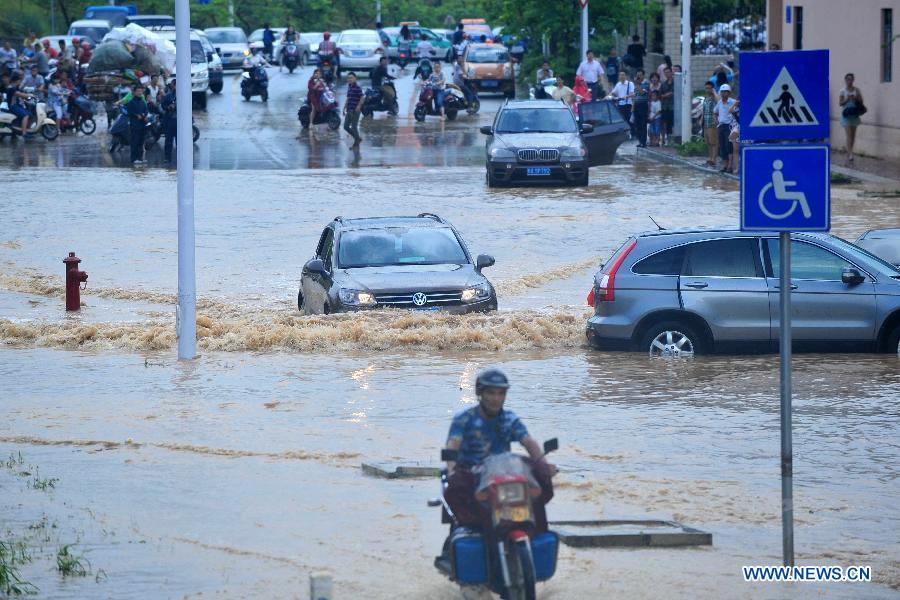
[551, 445]
[448, 455]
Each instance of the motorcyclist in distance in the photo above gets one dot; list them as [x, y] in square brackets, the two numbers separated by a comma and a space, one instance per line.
[290, 35]
[328, 50]
[484, 430]
[424, 47]
[255, 59]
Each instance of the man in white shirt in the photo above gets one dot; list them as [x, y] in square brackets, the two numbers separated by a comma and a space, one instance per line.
[591, 70]
[425, 48]
[725, 120]
[623, 94]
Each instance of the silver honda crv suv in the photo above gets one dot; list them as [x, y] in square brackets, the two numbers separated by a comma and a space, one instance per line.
[685, 292]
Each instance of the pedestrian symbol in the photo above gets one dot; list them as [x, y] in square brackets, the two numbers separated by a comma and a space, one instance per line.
[784, 105]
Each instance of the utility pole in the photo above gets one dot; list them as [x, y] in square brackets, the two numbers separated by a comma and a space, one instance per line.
[231, 13]
[584, 29]
[52, 17]
[186, 310]
[686, 87]
[378, 11]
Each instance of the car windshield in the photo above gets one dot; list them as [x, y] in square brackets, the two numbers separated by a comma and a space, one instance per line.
[95, 33]
[534, 120]
[400, 246]
[487, 55]
[865, 257]
[226, 36]
[360, 38]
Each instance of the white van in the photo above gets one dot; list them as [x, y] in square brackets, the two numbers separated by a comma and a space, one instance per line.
[94, 29]
[199, 65]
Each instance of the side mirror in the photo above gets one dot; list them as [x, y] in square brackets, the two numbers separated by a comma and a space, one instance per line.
[852, 277]
[487, 130]
[587, 128]
[316, 266]
[209, 57]
[551, 445]
[483, 261]
[448, 455]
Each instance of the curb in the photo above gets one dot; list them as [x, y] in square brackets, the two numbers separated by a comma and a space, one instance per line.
[677, 160]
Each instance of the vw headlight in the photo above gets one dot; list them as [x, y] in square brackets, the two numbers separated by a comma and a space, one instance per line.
[573, 152]
[356, 297]
[511, 493]
[502, 153]
[476, 293]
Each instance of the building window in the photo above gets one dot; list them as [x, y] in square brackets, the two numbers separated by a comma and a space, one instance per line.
[887, 43]
[798, 28]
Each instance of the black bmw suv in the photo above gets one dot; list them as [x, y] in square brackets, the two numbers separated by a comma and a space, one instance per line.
[541, 141]
[420, 263]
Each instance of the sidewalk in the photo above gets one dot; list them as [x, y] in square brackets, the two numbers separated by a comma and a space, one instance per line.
[875, 174]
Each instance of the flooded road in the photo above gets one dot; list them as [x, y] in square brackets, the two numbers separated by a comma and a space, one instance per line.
[238, 475]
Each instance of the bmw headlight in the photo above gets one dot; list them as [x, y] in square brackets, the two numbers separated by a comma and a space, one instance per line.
[356, 297]
[476, 293]
[502, 153]
[573, 152]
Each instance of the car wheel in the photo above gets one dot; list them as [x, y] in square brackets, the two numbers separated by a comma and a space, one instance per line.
[246, 97]
[216, 88]
[300, 300]
[491, 180]
[304, 60]
[893, 341]
[325, 309]
[264, 96]
[671, 339]
[583, 181]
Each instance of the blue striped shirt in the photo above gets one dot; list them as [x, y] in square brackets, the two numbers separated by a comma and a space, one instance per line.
[354, 96]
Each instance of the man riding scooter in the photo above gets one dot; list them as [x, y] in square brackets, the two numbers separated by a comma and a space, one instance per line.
[328, 52]
[484, 430]
[459, 78]
[381, 81]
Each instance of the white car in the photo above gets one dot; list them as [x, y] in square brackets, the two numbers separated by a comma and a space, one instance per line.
[199, 65]
[360, 50]
[231, 44]
[216, 75]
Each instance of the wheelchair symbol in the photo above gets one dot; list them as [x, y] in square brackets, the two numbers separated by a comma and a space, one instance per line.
[779, 187]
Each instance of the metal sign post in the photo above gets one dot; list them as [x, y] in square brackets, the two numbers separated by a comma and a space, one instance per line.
[785, 188]
[686, 91]
[186, 310]
[787, 450]
[584, 29]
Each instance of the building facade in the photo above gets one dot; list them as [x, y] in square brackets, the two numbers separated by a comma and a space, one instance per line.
[863, 40]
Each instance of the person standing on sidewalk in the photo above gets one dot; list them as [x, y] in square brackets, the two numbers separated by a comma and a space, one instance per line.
[667, 97]
[623, 94]
[352, 109]
[724, 122]
[641, 107]
[710, 135]
[850, 101]
[591, 70]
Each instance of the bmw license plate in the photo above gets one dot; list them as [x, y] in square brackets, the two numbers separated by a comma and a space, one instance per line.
[538, 171]
[358, 53]
[490, 83]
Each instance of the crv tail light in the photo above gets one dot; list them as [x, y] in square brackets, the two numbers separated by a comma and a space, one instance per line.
[606, 287]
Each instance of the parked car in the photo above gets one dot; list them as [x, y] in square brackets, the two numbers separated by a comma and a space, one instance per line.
[419, 263]
[231, 44]
[93, 29]
[216, 75]
[694, 291]
[152, 21]
[539, 141]
[489, 69]
[883, 243]
[313, 38]
[199, 65]
[360, 51]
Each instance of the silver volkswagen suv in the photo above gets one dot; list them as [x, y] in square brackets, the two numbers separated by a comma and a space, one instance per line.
[685, 292]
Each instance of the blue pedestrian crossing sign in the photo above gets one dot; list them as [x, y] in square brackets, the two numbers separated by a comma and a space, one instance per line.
[786, 187]
[784, 95]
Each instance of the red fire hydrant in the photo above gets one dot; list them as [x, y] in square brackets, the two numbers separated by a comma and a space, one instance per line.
[74, 279]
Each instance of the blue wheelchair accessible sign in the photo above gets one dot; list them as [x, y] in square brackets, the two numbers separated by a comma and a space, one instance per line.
[786, 187]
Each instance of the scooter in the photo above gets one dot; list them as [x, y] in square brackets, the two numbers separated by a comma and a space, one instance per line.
[374, 101]
[11, 125]
[255, 82]
[120, 131]
[329, 113]
[404, 54]
[453, 100]
[290, 56]
[513, 554]
[81, 116]
[472, 107]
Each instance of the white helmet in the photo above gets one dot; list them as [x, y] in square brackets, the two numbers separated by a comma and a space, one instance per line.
[725, 88]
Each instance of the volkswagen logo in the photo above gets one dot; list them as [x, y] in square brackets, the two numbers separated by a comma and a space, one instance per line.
[419, 299]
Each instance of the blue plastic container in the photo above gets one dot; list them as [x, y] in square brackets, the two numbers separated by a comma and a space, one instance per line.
[544, 549]
[469, 558]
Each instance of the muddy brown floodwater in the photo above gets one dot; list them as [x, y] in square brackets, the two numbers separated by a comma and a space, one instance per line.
[238, 474]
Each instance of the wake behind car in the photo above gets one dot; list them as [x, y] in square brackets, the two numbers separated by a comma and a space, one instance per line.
[685, 292]
[419, 263]
[539, 141]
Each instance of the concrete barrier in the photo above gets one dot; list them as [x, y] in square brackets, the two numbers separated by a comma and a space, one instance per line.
[629, 534]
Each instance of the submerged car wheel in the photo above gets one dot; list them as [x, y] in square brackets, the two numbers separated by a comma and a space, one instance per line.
[893, 341]
[216, 88]
[670, 339]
